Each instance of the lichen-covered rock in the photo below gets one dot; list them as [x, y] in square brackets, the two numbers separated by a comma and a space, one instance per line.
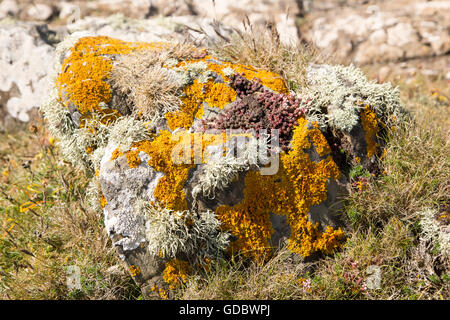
[193, 157]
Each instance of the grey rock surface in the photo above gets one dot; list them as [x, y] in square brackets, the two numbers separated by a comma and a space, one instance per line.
[122, 187]
[279, 13]
[25, 59]
[379, 32]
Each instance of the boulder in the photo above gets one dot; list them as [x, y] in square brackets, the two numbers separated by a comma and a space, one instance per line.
[39, 11]
[194, 157]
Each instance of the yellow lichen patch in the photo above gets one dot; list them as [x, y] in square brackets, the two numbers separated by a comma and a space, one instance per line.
[268, 79]
[162, 293]
[370, 125]
[134, 270]
[169, 190]
[103, 201]
[116, 153]
[175, 273]
[249, 220]
[173, 155]
[319, 141]
[299, 184]
[217, 95]
[83, 76]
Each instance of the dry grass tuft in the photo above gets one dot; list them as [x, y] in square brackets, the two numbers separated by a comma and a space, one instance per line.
[262, 48]
[416, 165]
[149, 89]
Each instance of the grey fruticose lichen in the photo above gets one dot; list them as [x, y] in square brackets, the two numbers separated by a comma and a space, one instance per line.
[171, 233]
[434, 233]
[217, 174]
[339, 93]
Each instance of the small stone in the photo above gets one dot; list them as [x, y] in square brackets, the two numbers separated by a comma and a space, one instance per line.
[377, 37]
[9, 8]
[40, 11]
[383, 73]
[69, 11]
[401, 34]
[114, 270]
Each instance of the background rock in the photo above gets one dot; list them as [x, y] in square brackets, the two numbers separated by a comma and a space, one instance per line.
[24, 62]
[369, 32]
[39, 11]
[281, 14]
[8, 8]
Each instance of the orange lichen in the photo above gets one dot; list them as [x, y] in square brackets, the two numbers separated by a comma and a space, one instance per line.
[169, 190]
[217, 95]
[249, 220]
[134, 270]
[318, 140]
[175, 166]
[269, 79]
[103, 201]
[116, 153]
[83, 76]
[83, 81]
[175, 273]
[370, 125]
[299, 184]
[161, 292]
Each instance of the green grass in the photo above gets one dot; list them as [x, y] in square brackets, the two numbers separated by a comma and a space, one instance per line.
[47, 226]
